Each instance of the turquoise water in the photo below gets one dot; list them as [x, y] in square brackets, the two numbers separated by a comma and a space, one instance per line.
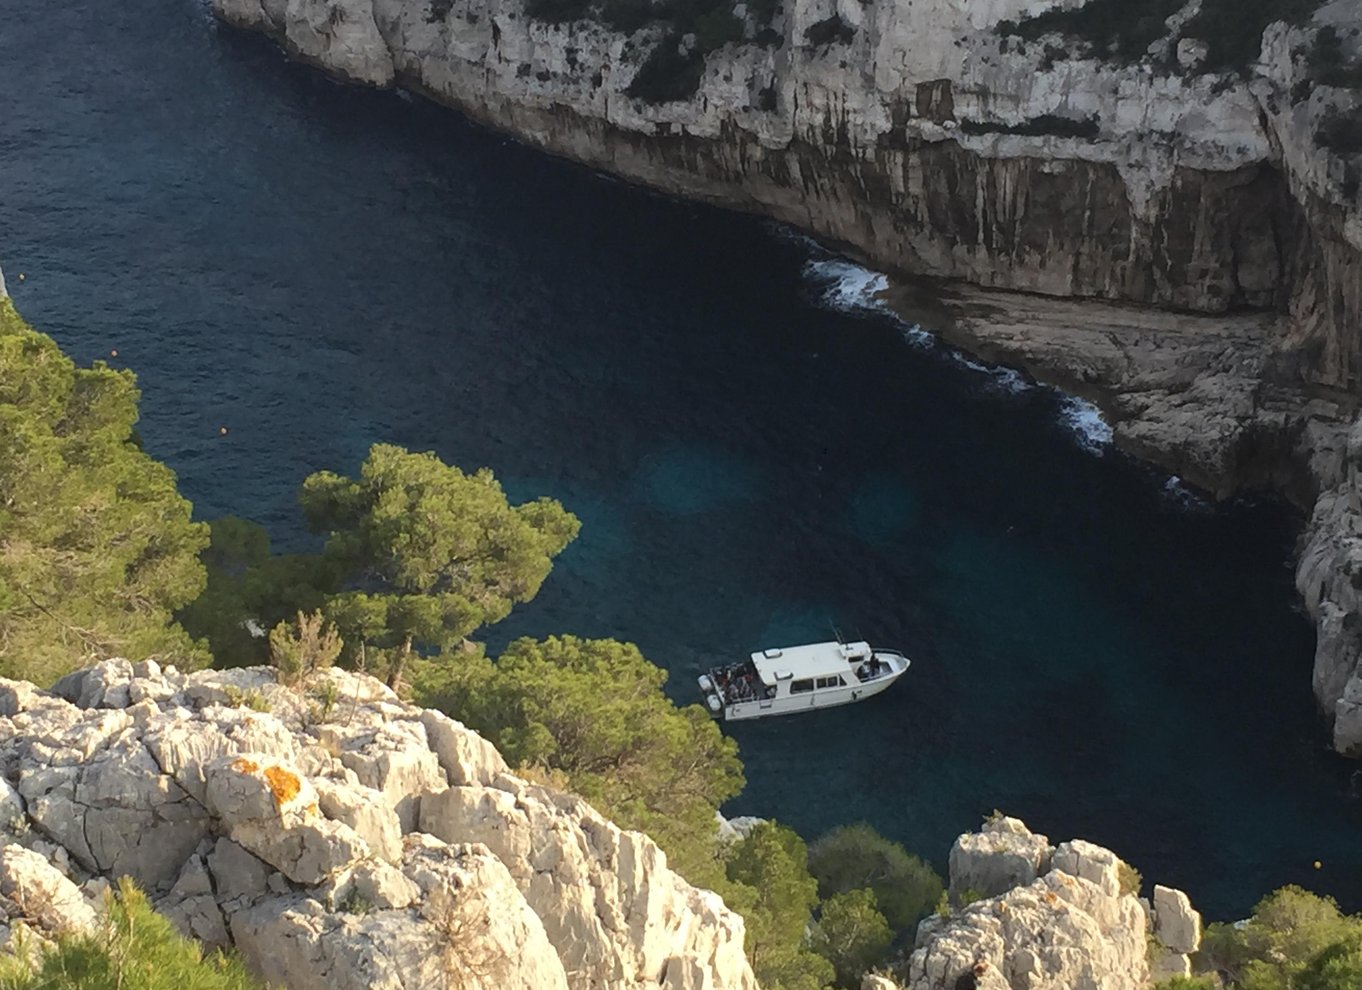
[755, 455]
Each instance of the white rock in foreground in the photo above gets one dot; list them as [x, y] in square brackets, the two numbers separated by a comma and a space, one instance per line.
[1065, 926]
[383, 846]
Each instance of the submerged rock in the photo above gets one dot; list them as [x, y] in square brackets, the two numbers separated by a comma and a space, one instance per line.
[380, 846]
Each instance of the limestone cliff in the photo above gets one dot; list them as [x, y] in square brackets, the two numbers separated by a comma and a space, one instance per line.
[1044, 917]
[339, 841]
[923, 138]
[1185, 190]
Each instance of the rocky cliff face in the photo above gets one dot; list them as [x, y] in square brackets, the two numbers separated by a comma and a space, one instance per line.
[1047, 917]
[897, 137]
[351, 843]
[1190, 191]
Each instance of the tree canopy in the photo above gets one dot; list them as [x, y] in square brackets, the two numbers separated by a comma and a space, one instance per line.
[852, 857]
[770, 886]
[1291, 930]
[594, 711]
[429, 553]
[97, 547]
[852, 934]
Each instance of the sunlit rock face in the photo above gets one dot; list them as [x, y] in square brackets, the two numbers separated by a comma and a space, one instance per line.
[361, 843]
[1191, 191]
[1030, 916]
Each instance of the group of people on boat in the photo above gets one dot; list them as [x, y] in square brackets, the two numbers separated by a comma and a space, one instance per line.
[871, 669]
[741, 683]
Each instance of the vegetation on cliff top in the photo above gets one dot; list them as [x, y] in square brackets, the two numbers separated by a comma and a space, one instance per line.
[1123, 30]
[96, 544]
[133, 948]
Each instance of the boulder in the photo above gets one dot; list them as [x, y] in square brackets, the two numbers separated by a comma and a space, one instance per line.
[1002, 855]
[1068, 927]
[36, 893]
[271, 810]
[1176, 924]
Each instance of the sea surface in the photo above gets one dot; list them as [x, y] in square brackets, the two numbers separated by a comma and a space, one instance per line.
[756, 451]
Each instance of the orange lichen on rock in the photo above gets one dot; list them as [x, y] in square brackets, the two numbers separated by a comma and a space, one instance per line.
[243, 765]
[283, 784]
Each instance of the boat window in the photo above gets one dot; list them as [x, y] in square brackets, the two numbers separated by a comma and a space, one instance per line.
[800, 687]
[827, 682]
[840, 681]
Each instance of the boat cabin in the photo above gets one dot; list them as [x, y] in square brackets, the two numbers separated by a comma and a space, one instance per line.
[813, 676]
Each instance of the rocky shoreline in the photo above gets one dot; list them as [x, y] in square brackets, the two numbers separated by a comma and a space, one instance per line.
[375, 844]
[1215, 247]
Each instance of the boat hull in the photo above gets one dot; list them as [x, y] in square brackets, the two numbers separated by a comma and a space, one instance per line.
[836, 697]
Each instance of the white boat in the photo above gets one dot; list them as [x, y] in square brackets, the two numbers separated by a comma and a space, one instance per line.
[800, 678]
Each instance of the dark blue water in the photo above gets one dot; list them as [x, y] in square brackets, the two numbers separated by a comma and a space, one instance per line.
[319, 268]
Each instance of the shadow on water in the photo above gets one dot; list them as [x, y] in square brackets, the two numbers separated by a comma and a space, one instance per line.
[319, 268]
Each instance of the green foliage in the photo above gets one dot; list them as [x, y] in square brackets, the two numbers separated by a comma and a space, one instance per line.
[1337, 967]
[856, 856]
[829, 30]
[1341, 132]
[1122, 30]
[1129, 878]
[246, 583]
[666, 75]
[133, 949]
[302, 648]
[1328, 64]
[716, 28]
[1188, 983]
[852, 934]
[96, 544]
[436, 552]
[557, 11]
[770, 886]
[1233, 29]
[1288, 929]
[594, 711]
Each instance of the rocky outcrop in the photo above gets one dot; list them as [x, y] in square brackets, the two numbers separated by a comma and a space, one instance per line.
[1061, 920]
[342, 843]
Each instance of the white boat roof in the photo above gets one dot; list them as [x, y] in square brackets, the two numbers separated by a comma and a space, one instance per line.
[813, 660]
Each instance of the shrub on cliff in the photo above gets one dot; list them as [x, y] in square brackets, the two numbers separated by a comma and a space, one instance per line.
[97, 547]
[852, 934]
[250, 588]
[1341, 133]
[768, 883]
[1289, 928]
[853, 857]
[134, 948]
[1337, 967]
[829, 30]
[667, 75]
[594, 713]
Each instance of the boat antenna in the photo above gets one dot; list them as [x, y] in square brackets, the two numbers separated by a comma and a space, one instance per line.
[837, 632]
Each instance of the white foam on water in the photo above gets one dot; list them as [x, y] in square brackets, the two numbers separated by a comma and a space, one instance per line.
[848, 287]
[1178, 492]
[1001, 379]
[915, 335]
[1085, 421]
